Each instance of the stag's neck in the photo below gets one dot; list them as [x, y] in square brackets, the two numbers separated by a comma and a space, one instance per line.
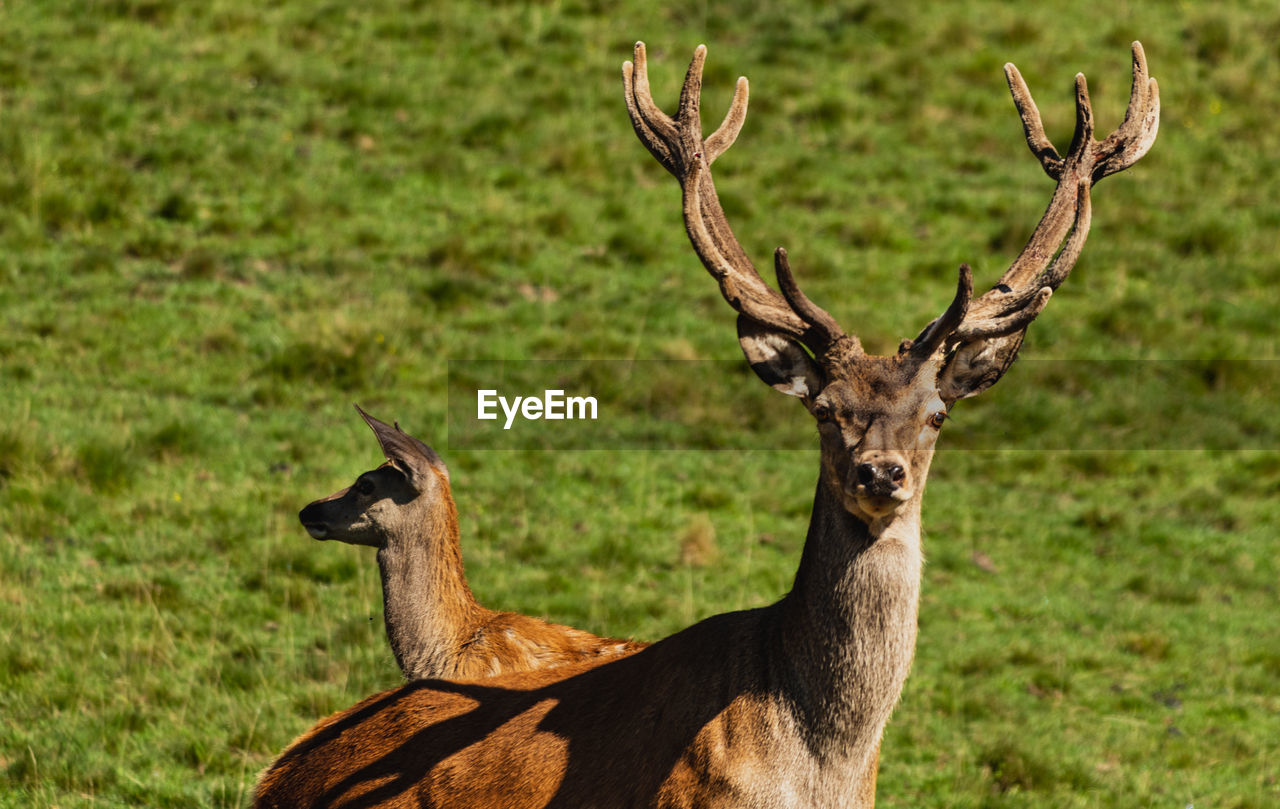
[848, 627]
[429, 610]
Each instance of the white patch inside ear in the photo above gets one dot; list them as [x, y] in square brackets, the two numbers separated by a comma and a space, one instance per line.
[781, 362]
[798, 388]
[792, 372]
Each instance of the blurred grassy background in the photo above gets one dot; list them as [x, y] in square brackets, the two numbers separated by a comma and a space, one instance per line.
[222, 223]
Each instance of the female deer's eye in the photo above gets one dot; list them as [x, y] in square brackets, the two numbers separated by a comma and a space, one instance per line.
[936, 420]
[364, 486]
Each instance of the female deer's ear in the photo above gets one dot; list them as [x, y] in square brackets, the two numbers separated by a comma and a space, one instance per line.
[412, 457]
[781, 362]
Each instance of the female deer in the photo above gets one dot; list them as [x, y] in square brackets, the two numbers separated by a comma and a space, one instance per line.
[405, 509]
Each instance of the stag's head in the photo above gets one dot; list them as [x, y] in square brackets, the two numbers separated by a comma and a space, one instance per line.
[879, 416]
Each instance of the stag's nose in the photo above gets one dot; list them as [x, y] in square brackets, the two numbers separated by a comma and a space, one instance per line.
[881, 477]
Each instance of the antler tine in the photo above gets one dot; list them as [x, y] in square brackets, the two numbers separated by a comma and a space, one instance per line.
[691, 93]
[727, 132]
[824, 330]
[1015, 320]
[1135, 136]
[1060, 267]
[654, 127]
[1037, 141]
[933, 336]
[1082, 138]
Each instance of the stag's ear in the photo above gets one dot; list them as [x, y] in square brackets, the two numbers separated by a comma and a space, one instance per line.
[415, 460]
[781, 362]
[976, 366]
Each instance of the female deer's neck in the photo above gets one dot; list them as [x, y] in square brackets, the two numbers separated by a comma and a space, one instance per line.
[848, 627]
[429, 610]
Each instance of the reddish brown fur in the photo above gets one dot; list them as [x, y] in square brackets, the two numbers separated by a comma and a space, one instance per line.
[602, 735]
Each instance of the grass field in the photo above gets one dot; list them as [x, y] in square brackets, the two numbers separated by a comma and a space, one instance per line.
[222, 223]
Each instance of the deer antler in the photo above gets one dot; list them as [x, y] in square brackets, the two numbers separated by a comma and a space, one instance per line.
[678, 145]
[1000, 316]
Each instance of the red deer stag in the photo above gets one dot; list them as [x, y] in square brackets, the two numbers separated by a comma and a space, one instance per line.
[405, 509]
[781, 706]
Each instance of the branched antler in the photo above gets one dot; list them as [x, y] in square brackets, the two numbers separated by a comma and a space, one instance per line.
[1002, 314]
[678, 145]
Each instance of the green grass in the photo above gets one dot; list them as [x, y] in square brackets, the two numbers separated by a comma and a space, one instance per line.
[221, 223]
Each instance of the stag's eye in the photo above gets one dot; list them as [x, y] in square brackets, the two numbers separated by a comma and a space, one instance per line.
[823, 412]
[364, 486]
[936, 420]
